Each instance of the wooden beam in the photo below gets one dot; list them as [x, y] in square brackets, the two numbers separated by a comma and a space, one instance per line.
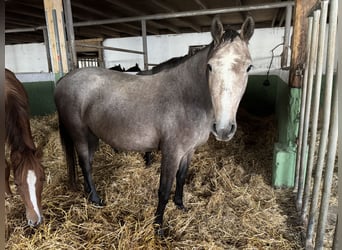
[55, 29]
[298, 46]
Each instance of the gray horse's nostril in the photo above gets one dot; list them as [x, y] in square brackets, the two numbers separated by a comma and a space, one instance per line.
[214, 127]
[232, 129]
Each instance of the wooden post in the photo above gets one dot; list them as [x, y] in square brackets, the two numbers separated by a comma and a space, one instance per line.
[298, 46]
[56, 34]
[285, 150]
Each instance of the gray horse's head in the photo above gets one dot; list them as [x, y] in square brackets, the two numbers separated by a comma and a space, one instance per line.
[227, 69]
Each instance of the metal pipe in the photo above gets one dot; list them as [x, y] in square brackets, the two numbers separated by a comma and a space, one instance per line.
[109, 48]
[144, 41]
[312, 63]
[47, 48]
[315, 109]
[70, 33]
[326, 119]
[58, 45]
[286, 36]
[332, 147]
[169, 15]
[336, 238]
[302, 107]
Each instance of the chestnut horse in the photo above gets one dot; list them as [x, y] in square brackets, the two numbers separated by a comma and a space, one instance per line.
[174, 110]
[24, 156]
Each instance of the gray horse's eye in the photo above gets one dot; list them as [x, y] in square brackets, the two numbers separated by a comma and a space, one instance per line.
[249, 68]
[209, 67]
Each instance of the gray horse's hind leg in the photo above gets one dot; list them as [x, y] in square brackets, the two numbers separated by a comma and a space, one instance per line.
[180, 180]
[169, 166]
[85, 152]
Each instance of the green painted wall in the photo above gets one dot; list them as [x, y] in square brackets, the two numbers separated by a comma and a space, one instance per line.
[40, 97]
[260, 98]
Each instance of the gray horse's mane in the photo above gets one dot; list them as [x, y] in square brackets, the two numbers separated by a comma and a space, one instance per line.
[229, 35]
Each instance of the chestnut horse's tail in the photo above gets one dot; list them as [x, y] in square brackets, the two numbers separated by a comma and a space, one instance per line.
[70, 154]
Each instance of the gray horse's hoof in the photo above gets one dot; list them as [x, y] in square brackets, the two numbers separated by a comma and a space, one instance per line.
[159, 231]
[98, 204]
[182, 207]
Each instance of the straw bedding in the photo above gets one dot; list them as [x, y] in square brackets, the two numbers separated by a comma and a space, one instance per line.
[231, 202]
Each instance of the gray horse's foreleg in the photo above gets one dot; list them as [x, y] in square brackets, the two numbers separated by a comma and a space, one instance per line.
[169, 168]
[180, 180]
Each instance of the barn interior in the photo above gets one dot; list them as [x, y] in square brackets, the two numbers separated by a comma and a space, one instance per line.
[230, 188]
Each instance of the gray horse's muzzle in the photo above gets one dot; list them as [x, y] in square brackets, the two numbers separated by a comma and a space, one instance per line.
[224, 133]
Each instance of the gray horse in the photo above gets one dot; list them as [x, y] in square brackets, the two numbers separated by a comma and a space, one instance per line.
[174, 110]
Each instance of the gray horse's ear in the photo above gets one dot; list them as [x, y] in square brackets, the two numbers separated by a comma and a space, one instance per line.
[216, 30]
[247, 29]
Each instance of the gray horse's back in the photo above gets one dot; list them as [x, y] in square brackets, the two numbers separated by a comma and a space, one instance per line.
[118, 108]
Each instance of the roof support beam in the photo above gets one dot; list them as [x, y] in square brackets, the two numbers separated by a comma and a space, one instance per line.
[170, 15]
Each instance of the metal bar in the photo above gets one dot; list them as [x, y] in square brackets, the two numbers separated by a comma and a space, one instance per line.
[312, 63]
[170, 15]
[302, 108]
[326, 119]
[70, 33]
[315, 110]
[144, 41]
[336, 238]
[109, 48]
[47, 48]
[316, 6]
[286, 36]
[332, 147]
[58, 45]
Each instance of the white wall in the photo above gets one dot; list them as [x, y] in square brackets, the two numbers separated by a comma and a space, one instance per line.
[32, 57]
[25, 58]
[163, 47]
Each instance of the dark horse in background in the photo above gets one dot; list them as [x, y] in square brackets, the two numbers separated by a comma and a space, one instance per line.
[174, 110]
[24, 156]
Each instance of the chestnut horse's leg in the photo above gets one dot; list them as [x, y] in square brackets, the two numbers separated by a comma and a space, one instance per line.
[7, 174]
[180, 180]
[169, 165]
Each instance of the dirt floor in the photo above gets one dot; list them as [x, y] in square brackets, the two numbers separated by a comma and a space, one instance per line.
[228, 192]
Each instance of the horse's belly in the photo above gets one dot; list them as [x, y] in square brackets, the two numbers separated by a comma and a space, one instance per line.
[132, 140]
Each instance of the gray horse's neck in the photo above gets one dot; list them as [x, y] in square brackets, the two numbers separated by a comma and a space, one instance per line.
[192, 76]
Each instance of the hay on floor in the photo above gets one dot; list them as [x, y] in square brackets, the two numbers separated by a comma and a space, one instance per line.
[231, 202]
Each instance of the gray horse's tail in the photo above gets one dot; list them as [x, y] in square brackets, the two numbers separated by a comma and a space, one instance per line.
[70, 154]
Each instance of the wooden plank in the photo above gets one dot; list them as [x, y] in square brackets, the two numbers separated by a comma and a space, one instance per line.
[298, 46]
[56, 35]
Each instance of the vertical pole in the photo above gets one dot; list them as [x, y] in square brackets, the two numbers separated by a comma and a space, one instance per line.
[332, 147]
[299, 36]
[70, 34]
[313, 56]
[284, 58]
[144, 40]
[315, 109]
[336, 238]
[326, 118]
[57, 39]
[302, 108]
[55, 29]
[47, 47]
